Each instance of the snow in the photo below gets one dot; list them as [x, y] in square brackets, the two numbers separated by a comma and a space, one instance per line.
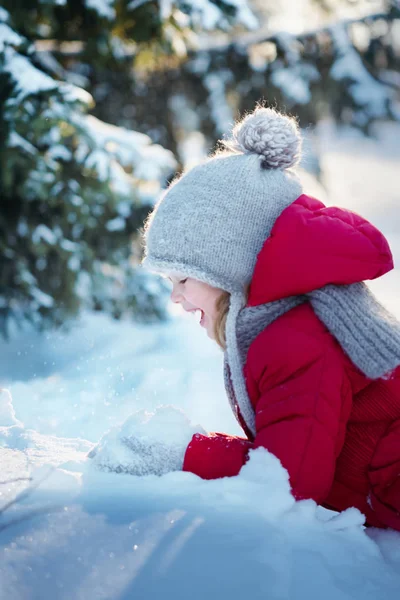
[191, 142]
[206, 14]
[132, 149]
[69, 246]
[295, 78]
[7, 35]
[42, 232]
[41, 298]
[117, 224]
[3, 14]
[298, 17]
[83, 532]
[105, 8]
[179, 536]
[127, 159]
[244, 14]
[59, 152]
[7, 413]
[30, 80]
[15, 141]
[166, 7]
[366, 90]
[294, 82]
[220, 110]
[146, 443]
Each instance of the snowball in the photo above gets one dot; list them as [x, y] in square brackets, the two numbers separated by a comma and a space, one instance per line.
[146, 443]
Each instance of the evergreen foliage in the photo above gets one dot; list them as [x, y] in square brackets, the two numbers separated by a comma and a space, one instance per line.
[347, 70]
[74, 191]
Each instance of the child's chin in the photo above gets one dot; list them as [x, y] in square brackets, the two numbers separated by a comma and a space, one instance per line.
[204, 326]
[210, 334]
[207, 328]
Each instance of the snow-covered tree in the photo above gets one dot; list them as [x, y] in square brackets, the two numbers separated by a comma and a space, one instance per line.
[346, 68]
[74, 190]
[71, 191]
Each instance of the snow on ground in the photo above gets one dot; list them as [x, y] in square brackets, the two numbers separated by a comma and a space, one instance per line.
[81, 533]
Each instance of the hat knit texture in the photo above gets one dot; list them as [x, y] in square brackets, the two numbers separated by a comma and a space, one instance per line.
[271, 135]
[213, 220]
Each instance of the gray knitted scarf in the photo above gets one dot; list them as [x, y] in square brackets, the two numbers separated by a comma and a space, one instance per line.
[367, 332]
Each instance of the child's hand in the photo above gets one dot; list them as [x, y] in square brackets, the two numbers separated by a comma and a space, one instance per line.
[147, 443]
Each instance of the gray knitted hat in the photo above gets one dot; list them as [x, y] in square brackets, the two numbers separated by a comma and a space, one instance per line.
[212, 221]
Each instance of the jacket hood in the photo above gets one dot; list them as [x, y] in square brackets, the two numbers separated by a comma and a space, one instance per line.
[311, 246]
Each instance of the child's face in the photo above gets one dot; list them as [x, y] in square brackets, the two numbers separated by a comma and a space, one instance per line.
[194, 295]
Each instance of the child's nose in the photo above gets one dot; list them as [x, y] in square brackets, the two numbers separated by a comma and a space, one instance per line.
[175, 295]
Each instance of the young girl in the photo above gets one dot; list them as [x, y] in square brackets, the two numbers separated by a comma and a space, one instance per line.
[312, 360]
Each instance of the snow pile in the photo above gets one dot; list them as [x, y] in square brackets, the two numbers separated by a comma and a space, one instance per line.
[178, 536]
[7, 413]
[10, 426]
[146, 443]
[83, 382]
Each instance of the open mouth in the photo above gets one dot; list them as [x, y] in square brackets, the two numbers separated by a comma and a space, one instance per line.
[199, 315]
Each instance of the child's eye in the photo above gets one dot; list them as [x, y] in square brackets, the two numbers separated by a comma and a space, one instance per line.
[183, 280]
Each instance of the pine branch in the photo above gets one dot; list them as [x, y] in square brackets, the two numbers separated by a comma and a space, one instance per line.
[244, 41]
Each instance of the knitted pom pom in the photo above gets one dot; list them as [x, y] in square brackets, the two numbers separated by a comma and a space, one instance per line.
[272, 135]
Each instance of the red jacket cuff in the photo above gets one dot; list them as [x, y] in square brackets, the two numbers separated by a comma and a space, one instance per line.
[216, 455]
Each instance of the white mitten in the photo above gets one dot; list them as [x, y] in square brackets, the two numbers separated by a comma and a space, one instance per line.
[146, 443]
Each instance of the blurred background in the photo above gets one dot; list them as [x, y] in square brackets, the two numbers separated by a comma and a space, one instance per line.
[103, 101]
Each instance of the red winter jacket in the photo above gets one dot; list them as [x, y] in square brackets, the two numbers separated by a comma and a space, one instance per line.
[335, 431]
